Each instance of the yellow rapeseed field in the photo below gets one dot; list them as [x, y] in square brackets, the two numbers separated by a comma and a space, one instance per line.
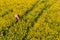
[39, 20]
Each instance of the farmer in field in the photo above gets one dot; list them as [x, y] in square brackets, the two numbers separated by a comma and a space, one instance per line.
[17, 16]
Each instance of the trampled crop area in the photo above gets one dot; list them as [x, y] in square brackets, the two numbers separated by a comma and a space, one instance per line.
[39, 20]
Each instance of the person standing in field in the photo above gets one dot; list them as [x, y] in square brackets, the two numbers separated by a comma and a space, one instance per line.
[17, 16]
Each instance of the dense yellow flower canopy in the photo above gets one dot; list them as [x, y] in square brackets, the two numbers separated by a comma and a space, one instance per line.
[40, 20]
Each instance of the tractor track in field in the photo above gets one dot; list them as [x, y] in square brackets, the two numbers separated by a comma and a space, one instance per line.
[6, 12]
[28, 20]
[24, 14]
[21, 17]
[35, 20]
[40, 13]
[29, 10]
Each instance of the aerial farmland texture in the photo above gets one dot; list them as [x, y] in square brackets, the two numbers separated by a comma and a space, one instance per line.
[29, 19]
